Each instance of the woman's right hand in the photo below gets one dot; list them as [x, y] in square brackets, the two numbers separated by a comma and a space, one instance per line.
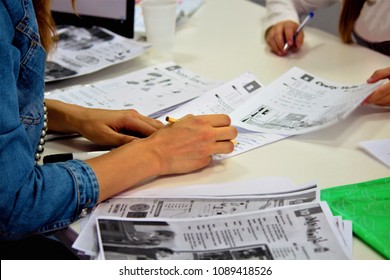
[184, 146]
[281, 33]
[189, 143]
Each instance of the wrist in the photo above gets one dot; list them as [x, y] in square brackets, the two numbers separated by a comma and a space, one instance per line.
[60, 116]
[151, 151]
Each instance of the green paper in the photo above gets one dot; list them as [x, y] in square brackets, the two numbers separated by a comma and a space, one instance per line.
[367, 205]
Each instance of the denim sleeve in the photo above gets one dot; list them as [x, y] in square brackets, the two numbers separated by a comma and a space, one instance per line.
[50, 198]
[33, 198]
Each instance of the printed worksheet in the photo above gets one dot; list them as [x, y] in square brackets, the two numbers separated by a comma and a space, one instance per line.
[224, 100]
[299, 102]
[151, 91]
[83, 51]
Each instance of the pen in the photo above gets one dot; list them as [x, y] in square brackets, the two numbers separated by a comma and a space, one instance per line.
[173, 120]
[68, 156]
[300, 27]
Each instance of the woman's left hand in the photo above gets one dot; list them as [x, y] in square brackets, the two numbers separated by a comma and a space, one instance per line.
[117, 127]
[104, 127]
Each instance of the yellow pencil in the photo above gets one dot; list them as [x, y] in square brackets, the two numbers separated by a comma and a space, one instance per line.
[170, 120]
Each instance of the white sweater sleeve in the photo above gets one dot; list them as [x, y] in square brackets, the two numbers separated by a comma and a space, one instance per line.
[282, 10]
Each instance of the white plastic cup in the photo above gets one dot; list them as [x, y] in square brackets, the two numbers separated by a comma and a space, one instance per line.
[160, 25]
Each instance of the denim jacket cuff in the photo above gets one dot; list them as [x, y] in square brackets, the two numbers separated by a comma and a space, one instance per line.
[87, 186]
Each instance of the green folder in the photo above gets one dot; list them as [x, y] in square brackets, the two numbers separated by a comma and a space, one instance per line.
[367, 205]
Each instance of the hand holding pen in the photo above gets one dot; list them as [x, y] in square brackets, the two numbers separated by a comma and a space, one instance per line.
[286, 35]
[289, 44]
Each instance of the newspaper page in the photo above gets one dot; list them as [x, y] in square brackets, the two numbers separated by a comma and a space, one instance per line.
[151, 91]
[185, 207]
[224, 100]
[82, 51]
[300, 232]
[299, 102]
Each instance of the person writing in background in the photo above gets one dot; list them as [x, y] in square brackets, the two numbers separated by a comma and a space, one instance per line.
[36, 198]
[365, 22]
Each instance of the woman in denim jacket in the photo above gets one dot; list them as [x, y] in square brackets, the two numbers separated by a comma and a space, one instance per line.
[38, 198]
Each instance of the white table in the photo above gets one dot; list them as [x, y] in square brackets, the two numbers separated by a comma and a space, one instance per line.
[224, 39]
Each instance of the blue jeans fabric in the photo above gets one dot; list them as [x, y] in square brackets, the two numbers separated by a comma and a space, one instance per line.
[33, 198]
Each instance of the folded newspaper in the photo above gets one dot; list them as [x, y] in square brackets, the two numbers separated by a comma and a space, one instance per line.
[285, 225]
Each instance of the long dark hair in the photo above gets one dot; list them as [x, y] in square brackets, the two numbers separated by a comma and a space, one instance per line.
[349, 14]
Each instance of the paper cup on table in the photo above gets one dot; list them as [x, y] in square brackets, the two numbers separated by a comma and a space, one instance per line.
[160, 25]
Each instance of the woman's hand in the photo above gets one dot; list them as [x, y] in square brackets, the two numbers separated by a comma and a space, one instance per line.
[281, 33]
[117, 127]
[104, 127]
[184, 146]
[189, 143]
[381, 96]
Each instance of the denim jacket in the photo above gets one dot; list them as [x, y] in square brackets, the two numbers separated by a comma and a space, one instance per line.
[33, 198]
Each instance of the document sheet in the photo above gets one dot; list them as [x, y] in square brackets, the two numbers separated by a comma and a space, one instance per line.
[298, 102]
[380, 149]
[83, 51]
[224, 100]
[151, 91]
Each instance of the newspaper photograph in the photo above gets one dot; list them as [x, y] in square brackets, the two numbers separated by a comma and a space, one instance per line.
[82, 51]
[298, 102]
[299, 232]
[185, 207]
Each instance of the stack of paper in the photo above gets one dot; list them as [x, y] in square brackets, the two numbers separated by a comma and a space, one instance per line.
[286, 225]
